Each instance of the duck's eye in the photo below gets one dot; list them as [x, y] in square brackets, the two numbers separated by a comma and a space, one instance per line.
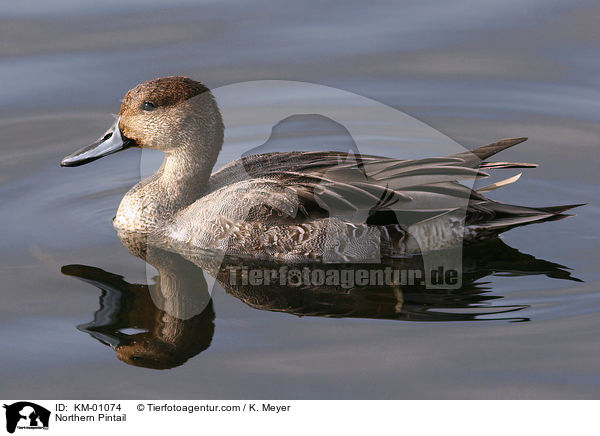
[148, 106]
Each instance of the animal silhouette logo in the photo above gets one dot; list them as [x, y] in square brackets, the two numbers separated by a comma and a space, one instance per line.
[26, 415]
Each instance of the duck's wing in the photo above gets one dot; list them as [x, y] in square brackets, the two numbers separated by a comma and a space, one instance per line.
[379, 167]
[338, 185]
[361, 188]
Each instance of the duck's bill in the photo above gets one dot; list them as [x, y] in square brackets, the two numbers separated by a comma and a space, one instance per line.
[111, 142]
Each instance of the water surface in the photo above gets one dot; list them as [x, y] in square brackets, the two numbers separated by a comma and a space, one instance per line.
[474, 71]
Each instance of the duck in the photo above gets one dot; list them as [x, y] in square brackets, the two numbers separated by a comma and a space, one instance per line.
[292, 205]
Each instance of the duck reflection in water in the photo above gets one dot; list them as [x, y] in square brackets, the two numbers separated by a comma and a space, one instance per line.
[173, 318]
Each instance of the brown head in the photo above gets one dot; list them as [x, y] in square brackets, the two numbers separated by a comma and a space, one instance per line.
[167, 114]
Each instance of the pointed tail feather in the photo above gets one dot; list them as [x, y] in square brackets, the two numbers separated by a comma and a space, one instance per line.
[560, 209]
[489, 150]
[499, 184]
[497, 217]
[505, 165]
[478, 154]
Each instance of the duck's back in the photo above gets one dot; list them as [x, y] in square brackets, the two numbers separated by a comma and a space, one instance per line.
[304, 204]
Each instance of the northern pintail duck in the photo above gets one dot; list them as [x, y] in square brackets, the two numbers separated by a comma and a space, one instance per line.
[294, 205]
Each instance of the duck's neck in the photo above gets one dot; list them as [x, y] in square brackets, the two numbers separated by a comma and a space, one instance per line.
[181, 180]
[183, 176]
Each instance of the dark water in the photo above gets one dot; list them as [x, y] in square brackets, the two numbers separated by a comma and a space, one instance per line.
[474, 71]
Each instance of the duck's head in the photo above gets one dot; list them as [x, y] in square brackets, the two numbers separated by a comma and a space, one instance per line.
[169, 114]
